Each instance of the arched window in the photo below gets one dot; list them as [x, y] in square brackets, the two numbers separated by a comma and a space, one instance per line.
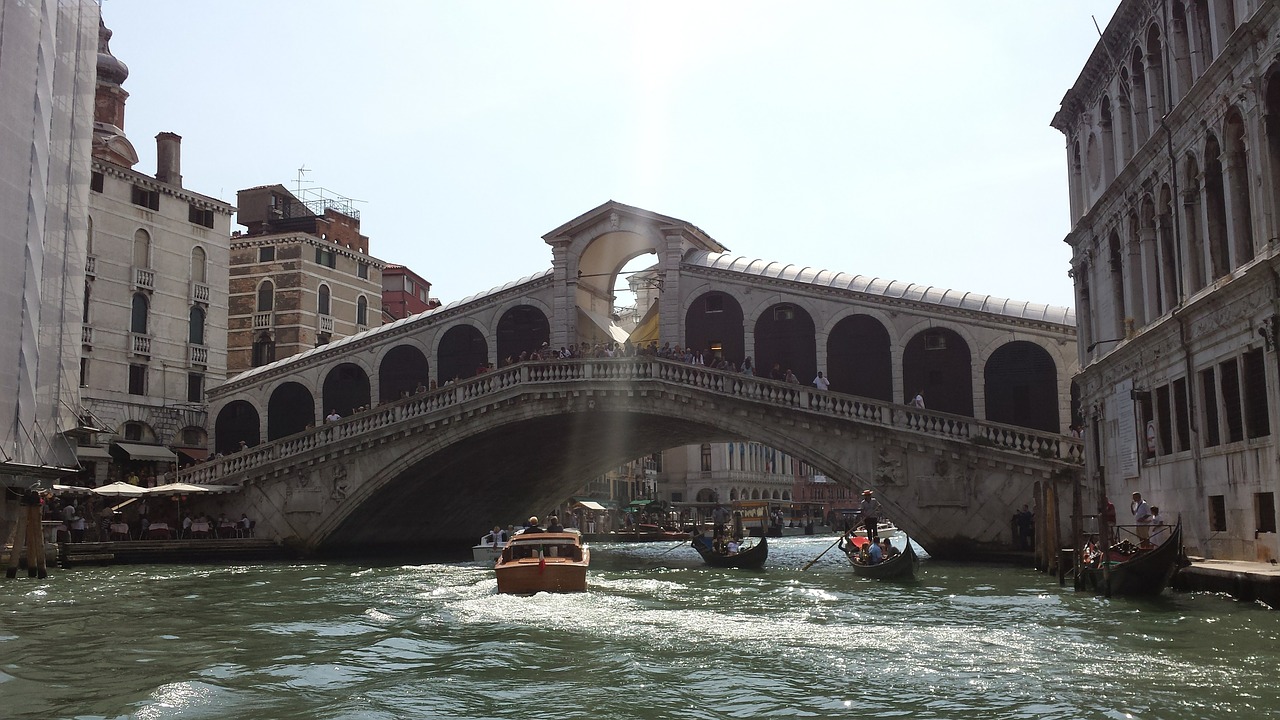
[88, 292]
[266, 296]
[195, 335]
[362, 311]
[141, 249]
[264, 350]
[199, 265]
[138, 318]
[322, 305]
[89, 244]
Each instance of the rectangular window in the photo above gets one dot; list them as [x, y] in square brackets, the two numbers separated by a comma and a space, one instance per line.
[1209, 400]
[1230, 379]
[706, 458]
[935, 340]
[84, 372]
[137, 379]
[1256, 421]
[1264, 509]
[267, 254]
[146, 198]
[1182, 413]
[783, 313]
[326, 257]
[1162, 422]
[95, 182]
[362, 270]
[200, 216]
[677, 497]
[1217, 513]
[195, 387]
[408, 285]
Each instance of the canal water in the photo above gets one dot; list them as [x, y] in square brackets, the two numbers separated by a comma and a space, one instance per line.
[658, 635]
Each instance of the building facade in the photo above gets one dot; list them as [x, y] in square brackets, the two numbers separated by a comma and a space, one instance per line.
[154, 301]
[301, 276]
[405, 293]
[1173, 150]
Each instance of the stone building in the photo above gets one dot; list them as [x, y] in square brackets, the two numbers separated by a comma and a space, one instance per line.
[301, 275]
[155, 297]
[405, 293]
[1173, 156]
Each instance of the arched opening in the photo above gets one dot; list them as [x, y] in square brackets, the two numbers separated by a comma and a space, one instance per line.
[1159, 103]
[1195, 260]
[785, 341]
[237, 422]
[195, 326]
[199, 265]
[362, 311]
[346, 389]
[1140, 97]
[264, 350]
[705, 495]
[141, 249]
[1135, 301]
[462, 352]
[1237, 177]
[138, 314]
[1124, 128]
[522, 330]
[136, 431]
[403, 371]
[1201, 36]
[1108, 142]
[859, 359]
[1022, 386]
[1180, 39]
[713, 325]
[936, 363]
[290, 410]
[1115, 263]
[1216, 209]
[1170, 282]
[322, 300]
[266, 296]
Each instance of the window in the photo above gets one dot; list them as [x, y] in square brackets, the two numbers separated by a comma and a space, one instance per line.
[408, 285]
[88, 292]
[362, 311]
[326, 257]
[264, 350]
[95, 182]
[1217, 513]
[195, 331]
[934, 340]
[1164, 422]
[133, 431]
[1209, 393]
[266, 296]
[715, 303]
[784, 312]
[195, 387]
[1256, 421]
[1264, 505]
[199, 216]
[706, 457]
[193, 437]
[322, 304]
[138, 319]
[1146, 420]
[146, 198]
[199, 265]
[1183, 414]
[267, 254]
[1230, 378]
[141, 249]
[362, 270]
[84, 372]
[677, 497]
[137, 379]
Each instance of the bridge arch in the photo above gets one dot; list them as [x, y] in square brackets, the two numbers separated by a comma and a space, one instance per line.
[860, 357]
[346, 389]
[785, 336]
[521, 328]
[714, 318]
[238, 421]
[1021, 386]
[290, 409]
[460, 351]
[938, 362]
[401, 370]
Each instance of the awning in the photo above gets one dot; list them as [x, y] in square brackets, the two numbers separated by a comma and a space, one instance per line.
[144, 453]
[92, 453]
[598, 327]
[192, 455]
[590, 504]
[647, 329]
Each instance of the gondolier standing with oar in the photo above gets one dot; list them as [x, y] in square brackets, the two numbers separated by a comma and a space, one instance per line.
[869, 510]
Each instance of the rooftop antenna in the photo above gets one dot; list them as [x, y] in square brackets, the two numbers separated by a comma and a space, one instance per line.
[301, 171]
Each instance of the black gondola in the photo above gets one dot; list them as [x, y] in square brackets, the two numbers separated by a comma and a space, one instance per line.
[902, 566]
[1144, 572]
[751, 558]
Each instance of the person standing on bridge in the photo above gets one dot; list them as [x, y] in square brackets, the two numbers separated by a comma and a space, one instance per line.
[870, 511]
[333, 416]
[821, 382]
[918, 401]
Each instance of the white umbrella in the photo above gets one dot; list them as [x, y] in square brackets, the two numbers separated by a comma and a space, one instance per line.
[72, 489]
[180, 488]
[120, 489]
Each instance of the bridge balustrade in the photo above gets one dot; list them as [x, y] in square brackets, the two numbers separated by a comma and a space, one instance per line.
[628, 371]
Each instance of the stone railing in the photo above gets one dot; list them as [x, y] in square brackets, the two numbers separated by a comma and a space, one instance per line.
[197, 355]
[144, 278]
[91, 265]
[139, 344]
[628, 371]
[263, 320]
[199, 292]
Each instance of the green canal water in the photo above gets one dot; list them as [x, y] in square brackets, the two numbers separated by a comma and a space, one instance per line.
[658, 635]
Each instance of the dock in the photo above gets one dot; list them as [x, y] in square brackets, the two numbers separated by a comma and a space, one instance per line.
[229, 550]
[1245, 581]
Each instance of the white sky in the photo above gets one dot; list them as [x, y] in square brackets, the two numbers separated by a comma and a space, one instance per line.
[908, 141]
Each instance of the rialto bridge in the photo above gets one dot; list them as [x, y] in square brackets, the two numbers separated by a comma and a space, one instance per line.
[432, 448]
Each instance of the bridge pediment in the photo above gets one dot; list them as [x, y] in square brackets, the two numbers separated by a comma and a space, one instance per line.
[614, 216]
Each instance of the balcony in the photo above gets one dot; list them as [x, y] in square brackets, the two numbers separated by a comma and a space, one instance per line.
[326, 324]
[144, 278]
[197, 355]
[86, 335]
[199, 293]
[263, 320]
[140, 344]
[91, 265]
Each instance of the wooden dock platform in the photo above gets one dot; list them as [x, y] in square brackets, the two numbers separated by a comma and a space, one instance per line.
[229, 550]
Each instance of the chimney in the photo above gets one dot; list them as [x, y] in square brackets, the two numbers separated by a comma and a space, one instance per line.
[169, 158]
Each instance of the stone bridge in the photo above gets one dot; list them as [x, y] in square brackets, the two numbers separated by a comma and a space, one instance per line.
[441, 466]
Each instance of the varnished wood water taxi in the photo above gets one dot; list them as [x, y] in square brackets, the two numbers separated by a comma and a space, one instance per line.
[535, 562]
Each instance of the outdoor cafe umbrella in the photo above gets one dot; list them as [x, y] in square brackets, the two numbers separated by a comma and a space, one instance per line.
[120, 489]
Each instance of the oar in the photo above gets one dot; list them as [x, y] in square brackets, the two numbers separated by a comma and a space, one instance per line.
[679, 544]
[824, 552]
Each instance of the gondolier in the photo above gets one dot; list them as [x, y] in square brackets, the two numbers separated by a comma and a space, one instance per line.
[869, 510]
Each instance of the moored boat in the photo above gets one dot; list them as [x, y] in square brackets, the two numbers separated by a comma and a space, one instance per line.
[535, 562]
[751, 558]
[1131, 570]
[902, 566]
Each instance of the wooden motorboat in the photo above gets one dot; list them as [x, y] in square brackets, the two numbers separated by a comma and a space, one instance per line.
[535, 562]
[751, 558]
[1130, 570]
[902, 566]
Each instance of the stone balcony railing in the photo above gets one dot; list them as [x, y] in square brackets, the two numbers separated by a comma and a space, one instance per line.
[197, 355]
[86, 335]
[91, 265]
[139, 344]
[263, 320]
[199, 292]
[1018, 441]
[144, 278]
[326, 324]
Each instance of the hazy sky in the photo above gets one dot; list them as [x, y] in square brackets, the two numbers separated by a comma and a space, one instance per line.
[908, 141]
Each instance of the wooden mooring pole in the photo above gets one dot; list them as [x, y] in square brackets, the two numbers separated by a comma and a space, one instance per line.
[26, 533]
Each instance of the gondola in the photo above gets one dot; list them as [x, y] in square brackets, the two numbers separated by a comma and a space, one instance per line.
[902, 566]
[1142, 572]
[751, 558]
